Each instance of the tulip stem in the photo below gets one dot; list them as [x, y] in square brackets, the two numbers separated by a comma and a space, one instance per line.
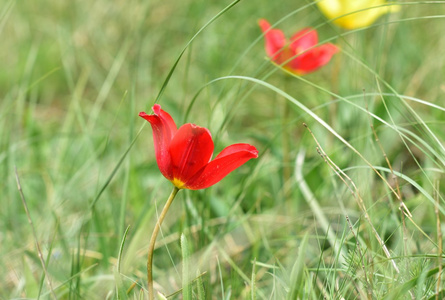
[151, 246]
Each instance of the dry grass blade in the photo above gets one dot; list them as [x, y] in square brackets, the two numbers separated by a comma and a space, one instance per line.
[403, 208]
[39, 251]
[315, 207]
[355, 193]
[394, 177]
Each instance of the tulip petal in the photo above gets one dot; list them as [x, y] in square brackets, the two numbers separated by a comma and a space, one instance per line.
[331, 8]
[313, 59]
[190, 150]
[228, 160]
[350, 14]
[363, 18]
[274, 40]
[303, 40]
[164, 128]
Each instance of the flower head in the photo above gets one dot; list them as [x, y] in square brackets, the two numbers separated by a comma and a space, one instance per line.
[300, 55]
[184, 155]
[351, 14]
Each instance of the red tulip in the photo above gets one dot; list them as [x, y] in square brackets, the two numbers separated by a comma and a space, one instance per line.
[184, 155]
[300, 55]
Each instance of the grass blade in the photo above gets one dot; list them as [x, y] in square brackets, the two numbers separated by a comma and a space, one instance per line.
[296, 277]
[186, 286]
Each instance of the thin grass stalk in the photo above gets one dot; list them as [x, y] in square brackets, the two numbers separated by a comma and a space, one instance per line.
[311, 114]
[377, 140]
[220, 278]
[316, 208]
[48, 257]
[36, 241]
[120, 291]
[403, 209]
[439, 242]
[354, 191]
[361, 255]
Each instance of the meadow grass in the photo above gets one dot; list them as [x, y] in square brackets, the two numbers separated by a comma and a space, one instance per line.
[347, 206]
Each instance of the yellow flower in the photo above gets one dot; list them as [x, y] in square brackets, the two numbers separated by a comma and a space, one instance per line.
[353, 14]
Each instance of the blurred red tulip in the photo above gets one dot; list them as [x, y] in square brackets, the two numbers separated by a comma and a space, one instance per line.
[300, 55]
[184, 155]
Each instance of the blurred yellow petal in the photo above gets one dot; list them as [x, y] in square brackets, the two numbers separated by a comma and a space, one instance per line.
[351, 14]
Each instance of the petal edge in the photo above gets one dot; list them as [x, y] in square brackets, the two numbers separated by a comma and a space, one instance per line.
[164, 128]
[227, 161]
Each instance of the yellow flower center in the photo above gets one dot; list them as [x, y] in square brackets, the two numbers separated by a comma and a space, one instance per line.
[178, 183]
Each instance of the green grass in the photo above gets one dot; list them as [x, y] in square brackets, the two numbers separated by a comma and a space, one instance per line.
[75, 75]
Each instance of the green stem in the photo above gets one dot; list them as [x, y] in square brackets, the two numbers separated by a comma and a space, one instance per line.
[151, 246]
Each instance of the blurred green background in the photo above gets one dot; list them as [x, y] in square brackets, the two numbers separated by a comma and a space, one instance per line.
[74, 76]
